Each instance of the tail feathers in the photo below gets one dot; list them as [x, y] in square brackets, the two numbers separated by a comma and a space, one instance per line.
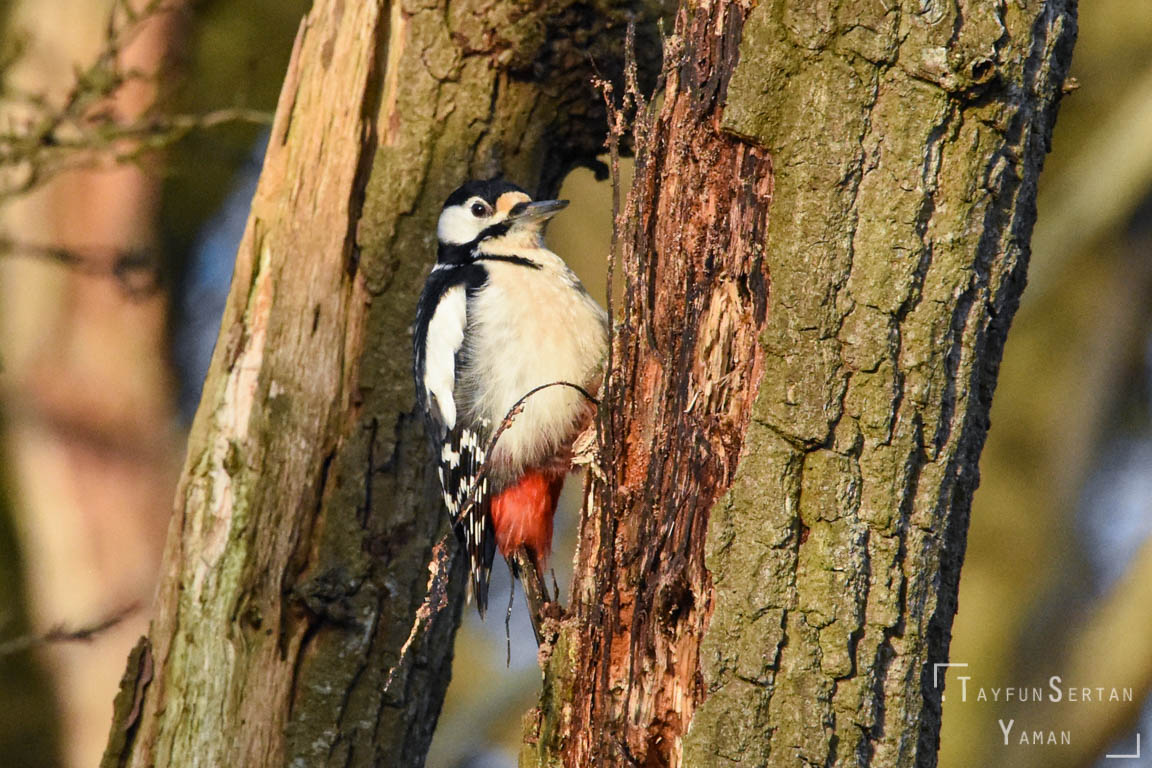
[519, 515]
[461, 458]
[480, 548]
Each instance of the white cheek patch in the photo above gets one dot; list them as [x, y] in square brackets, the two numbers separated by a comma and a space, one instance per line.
[457, 225]
[445, 335]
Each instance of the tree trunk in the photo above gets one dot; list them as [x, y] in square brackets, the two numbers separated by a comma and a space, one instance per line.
[788, 609]
[287, 628]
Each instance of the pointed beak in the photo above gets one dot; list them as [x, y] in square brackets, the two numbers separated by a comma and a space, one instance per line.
[537, 212]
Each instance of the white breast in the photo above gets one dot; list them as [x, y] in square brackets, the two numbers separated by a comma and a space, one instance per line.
[529, 327]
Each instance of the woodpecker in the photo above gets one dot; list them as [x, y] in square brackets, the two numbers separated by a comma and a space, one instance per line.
[499, 316]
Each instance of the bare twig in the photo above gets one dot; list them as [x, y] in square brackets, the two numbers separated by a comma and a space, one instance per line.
[83, 129]
[522, 562]
[435, 600]
[135, 270]
[61, 634]
[436, 597]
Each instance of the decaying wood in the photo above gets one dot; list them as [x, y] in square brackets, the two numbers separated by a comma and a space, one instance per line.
[678, 399]
[797, 403]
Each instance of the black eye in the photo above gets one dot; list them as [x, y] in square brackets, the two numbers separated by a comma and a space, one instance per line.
[479, 209]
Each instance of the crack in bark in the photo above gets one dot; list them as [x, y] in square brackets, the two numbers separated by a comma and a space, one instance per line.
[643, 599]
[917, 372]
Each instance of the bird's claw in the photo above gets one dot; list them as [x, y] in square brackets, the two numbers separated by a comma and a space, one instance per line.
[586, 452]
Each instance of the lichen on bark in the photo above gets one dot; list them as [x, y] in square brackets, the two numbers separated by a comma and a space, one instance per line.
[907, 145]
[905, 140]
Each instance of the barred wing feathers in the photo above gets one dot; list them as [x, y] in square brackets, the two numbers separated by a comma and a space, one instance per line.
[461, 457]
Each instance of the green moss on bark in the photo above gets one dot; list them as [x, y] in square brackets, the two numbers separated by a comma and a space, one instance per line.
[906, 146]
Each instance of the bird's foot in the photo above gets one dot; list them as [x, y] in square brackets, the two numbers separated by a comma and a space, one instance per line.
[586, 452]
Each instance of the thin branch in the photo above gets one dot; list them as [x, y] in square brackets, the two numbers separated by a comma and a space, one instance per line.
[516, 409]
[61, 634]
[523, 563]
[83, 129]
[436, 597]
[135, 270]
[435, 600]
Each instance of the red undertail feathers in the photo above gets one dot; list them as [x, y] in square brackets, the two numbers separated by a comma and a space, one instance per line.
[522, 514]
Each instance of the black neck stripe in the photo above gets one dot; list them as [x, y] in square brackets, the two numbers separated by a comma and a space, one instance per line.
[463, 253]
[455, 253]
[519, 260]
[499, 229]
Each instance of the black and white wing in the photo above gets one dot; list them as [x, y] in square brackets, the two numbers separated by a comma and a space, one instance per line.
[461, 457]
[441, 320]
[441, 324]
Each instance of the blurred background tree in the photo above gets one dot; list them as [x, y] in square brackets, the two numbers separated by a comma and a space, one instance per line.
[91, 436]
[1061, 523]
[94, 383]
[92, 377]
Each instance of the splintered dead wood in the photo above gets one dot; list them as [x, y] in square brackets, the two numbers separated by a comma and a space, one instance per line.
[684, 370]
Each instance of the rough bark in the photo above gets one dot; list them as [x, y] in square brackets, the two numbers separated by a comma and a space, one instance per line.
[1031, 581]
[303, 528]
[685, 365]
[802, 627]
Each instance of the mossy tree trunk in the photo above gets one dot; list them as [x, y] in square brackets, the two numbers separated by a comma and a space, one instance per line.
[303, 527]
[769, 571]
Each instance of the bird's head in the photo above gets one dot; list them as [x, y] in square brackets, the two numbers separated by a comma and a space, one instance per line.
[494, 216]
